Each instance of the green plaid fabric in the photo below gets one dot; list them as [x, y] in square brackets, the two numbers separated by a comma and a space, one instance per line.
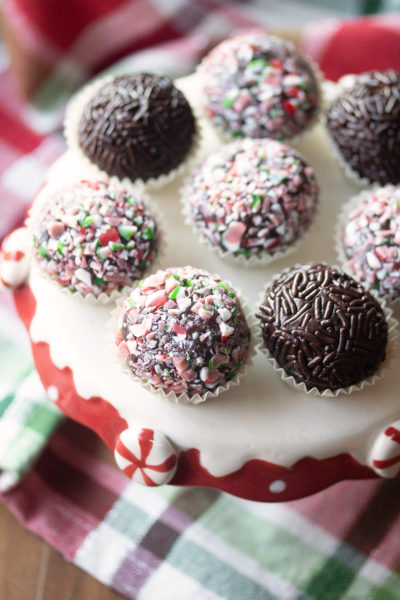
[177, 543]
[27, 416]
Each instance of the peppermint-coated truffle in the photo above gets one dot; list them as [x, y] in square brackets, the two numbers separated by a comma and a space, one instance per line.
[322, 327]
[252, 197]
[372, 240]
[184, 330]
[256, 85]
[364, 123]
[138, 126]
[95, 237]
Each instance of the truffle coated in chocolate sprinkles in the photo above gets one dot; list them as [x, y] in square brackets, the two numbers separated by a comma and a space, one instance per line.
[184, 330]
[138, 126]
[322, 327]
[364, 123]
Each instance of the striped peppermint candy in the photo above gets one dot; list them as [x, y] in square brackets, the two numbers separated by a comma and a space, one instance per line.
[15, 258]
[385, 453]
[146, 456]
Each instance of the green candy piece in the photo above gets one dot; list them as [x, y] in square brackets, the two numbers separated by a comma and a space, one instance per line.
[115, 247]
[257, 63]
[149, 234]
[228, 102]
[42, 251]
[86, 221]
[60, 247]
[127, 231]
[175, 292]
[257, 199]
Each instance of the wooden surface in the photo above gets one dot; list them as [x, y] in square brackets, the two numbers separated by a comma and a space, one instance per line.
[31, 570]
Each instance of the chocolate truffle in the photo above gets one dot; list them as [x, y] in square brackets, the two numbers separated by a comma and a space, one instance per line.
[322, 327]
[252, 198]
[95, 237]
[364, 123]
[257, 86]
[184, 330]
[137, 126]
[372, 240]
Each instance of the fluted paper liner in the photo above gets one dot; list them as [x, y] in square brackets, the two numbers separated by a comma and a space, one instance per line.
[71, 123]
[392, 345]
[183, 398]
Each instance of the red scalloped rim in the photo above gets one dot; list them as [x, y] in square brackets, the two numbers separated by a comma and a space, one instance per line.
[255, 480]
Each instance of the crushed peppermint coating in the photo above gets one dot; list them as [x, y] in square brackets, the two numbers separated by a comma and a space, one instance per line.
[95, 237]
[323, 327]
[137, 126]
[257, 86]
[183, 330]
[252, 198]
[372, 240]
[364, 123]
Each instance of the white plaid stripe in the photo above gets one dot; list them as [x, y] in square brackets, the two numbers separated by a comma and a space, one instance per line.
[103, 551]
[282, 516]
[241, 563]
[170, 583]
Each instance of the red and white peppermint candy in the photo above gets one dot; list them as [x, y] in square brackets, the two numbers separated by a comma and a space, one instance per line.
[146, 456]
[385, 453]
[15, 258]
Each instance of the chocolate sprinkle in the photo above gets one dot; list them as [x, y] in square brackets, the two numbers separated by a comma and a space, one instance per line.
[364, 123]
[322, 327]
[137, 126]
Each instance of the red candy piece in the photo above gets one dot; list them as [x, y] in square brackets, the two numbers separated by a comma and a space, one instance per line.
[179, 330]
[288, 107]
[111, 235]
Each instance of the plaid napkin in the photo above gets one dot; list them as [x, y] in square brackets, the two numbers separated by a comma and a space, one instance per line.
[170, 542]
[27, 416]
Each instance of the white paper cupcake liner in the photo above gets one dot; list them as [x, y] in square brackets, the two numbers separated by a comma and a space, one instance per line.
[39, 206]
[241, 261]
[182, 398]
[225, 137]
[391, 350]
[71, 123]
[344, 262]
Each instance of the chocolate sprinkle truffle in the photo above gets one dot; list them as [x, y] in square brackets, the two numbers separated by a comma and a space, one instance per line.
[184, 330]
[137, 126]
[252, 198]
[95, 237]
[372, 240]
[257, 86]
[364, 123]
[322, 327]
